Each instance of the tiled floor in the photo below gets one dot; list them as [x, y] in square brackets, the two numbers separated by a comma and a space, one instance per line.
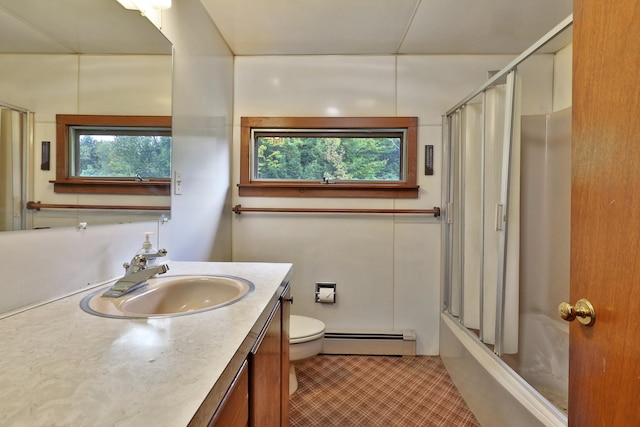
[368, 391]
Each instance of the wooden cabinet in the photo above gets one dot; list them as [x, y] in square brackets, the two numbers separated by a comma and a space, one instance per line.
[264, 373]
[269, 370]
[286, 301]
[259, 394]
[234, 409]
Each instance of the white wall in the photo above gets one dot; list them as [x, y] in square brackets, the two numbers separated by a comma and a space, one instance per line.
[200, 228]
[387, 269]
[562, 75]
[40, 264]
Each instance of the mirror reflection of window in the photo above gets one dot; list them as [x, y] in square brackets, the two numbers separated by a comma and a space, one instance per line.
[105, 154]
[66, 69]
[121, 152]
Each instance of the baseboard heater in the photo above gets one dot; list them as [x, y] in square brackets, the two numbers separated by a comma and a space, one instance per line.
[402, 343]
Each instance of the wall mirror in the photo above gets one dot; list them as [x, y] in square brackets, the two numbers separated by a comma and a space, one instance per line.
[73, 57]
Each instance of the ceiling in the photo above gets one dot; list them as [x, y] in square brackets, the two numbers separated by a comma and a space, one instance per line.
[290, 27]
[353, 27]
[76, 26]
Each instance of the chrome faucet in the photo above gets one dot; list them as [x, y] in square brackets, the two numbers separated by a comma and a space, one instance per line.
[136, 274]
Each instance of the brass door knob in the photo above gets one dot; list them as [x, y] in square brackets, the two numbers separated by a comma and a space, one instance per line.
[583, 311]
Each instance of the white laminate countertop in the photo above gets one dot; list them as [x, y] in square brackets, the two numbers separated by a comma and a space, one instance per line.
[60, 366]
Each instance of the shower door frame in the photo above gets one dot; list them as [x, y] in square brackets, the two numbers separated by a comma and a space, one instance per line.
[449, 190]
[25, 160]
[455, 148]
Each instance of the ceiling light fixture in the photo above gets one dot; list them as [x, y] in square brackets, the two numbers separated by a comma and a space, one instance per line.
[150, 9]
[145, 5]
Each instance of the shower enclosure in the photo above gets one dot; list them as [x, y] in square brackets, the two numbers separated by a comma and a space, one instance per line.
[506, 231]
[14, 122]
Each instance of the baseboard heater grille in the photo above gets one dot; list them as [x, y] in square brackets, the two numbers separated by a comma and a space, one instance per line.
[401, 343]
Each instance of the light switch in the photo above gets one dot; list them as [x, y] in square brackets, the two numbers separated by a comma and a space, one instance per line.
[177, 183]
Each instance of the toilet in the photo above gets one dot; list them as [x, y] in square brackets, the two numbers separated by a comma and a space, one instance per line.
[305, 340]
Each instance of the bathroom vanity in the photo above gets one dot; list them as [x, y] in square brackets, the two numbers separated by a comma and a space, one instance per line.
[61, 366]
[259, 394]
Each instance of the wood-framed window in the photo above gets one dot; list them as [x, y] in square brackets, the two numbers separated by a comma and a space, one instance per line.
[98, 154]
[373, 157]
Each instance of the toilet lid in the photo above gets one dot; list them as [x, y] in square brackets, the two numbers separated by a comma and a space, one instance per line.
[302, 329]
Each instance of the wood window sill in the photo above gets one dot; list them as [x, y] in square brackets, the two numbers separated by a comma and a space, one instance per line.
[328, 190]
[85, 186]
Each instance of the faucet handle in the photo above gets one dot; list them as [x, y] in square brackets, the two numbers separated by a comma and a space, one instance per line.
[161, 252]
[137, 262]
[140, 260]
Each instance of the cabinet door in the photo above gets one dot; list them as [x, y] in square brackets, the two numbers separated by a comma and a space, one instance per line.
[234, 409]
[265, 374]
[284, 360]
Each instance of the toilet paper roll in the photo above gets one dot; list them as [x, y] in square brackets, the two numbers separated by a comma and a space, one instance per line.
[326, 295]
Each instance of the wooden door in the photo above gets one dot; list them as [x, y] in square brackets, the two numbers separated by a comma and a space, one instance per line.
[604, 373]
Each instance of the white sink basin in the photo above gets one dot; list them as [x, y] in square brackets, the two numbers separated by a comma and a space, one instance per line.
[169, 296]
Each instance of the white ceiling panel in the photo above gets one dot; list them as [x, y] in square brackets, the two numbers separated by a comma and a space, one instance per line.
[315, 27]
[312, 27]
[481, 26]
[16, 37]
[290, 27]
[76, 26]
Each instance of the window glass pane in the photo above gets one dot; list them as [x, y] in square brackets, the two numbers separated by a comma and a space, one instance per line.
[341, 156]
[121, 153]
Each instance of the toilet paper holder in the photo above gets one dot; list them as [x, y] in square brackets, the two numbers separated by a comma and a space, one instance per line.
[326, 292]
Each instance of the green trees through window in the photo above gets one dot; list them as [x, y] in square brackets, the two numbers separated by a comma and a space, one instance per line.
[329, 158]
[103, 154]
[372, 157]
[123, 156]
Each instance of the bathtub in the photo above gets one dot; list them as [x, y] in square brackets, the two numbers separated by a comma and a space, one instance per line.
[543, 357]
[493, 391]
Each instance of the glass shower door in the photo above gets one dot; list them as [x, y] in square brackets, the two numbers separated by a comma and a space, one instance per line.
[482, 207]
